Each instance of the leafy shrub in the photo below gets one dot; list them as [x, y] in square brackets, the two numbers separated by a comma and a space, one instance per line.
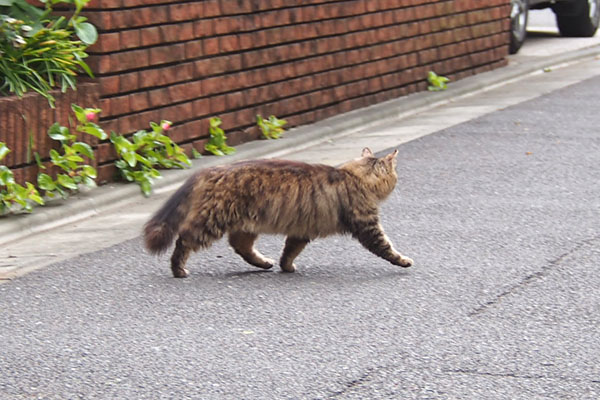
[271, 128]
[40, 52]
[139, 157]
[436, 82]
[217, 143]
[13, 195]
[70, 160]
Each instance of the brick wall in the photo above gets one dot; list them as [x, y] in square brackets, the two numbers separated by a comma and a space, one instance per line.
[187, 61]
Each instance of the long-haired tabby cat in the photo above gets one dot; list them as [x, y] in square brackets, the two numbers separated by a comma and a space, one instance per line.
[301, 201]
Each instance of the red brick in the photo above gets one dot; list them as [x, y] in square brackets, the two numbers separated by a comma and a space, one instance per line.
[185, 11]
[165, 54]
[106, 173]
[107, 42]
[211, 46]
[201, 106]
[138, 101]
[129, 82]
[130, 39]
[120, 105]
[194, 49]
[149, 36]
[159, 97]
[229, 43]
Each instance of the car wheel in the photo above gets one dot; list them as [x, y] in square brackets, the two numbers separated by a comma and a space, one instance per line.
[518, 24]
[579, 18]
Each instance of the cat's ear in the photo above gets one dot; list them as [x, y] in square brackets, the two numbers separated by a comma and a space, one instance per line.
[392, 155]
[367, 152]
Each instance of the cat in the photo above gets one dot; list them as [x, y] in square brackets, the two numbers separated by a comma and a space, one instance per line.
[302, 201]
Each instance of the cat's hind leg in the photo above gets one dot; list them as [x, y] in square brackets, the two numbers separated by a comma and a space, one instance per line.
[370, 234]
[293, 247]
[179, 257]
[243, 244]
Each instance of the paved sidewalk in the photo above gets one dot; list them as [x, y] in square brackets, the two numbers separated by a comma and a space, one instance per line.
[116, 212]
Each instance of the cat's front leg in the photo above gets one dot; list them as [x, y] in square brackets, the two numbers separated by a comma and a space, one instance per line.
[293, 247]
[370, 234]
[243, 244]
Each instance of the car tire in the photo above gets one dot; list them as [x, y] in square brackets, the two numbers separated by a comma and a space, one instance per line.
[518, 24]
[581, 19]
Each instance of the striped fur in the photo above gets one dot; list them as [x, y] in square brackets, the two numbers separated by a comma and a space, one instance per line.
[302, 201]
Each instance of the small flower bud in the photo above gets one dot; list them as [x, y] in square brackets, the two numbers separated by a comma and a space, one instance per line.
[90, 116]
[165, 125]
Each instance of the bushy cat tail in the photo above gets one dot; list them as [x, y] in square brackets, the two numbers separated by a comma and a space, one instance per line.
[161, 229]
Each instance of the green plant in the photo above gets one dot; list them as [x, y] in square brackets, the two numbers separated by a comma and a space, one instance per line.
[271, 128]
[217, 143]
[11, 193]
[436, 82]
[70, 160]
[41, 52]
[147, 149]
[196, 154]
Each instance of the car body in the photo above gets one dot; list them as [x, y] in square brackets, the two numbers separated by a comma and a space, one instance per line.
[575, 18]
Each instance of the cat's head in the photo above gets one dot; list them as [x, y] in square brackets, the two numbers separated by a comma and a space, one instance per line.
[379, 174]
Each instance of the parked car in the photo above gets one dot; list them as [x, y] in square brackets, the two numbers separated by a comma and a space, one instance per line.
[575, 18]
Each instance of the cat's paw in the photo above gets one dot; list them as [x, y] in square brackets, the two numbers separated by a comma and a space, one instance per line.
[265, 263]
[402, 261]
[180, 273]
[406, 262]
[288, 268]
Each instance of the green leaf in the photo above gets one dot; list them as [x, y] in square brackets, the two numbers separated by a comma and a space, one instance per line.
[215, 122]
[61, 192]
[93, 129]
[130, 158]
[89, 171]
[196, 154]
[140, 137]
[66, 181]
[155, 127]
[6, 176]
[213, 149]
[45, 182]
[121, 164]
[228, 150]
[183, 159]
[142, 160]
[38, 160]
[89, 182]
[127, 174]
[83, 148]
[37, 198]
[4, 150]
[437, 82]
[153, 173]
[121, 143]
[146, 187]
[33, 194]
[60, 133]
[74, 158]
[86, 32]
[79, 113]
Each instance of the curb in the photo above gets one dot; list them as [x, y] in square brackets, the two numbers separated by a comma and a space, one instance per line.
[104, 198]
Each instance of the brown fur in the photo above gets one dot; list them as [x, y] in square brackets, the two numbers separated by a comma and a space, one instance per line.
[302, 201]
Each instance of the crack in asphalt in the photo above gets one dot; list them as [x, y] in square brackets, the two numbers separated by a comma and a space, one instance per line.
[361, 380]
[371, 372]
[533, 276]
[514, 375]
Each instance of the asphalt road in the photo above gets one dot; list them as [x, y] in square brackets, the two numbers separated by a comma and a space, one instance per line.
[502, 217]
